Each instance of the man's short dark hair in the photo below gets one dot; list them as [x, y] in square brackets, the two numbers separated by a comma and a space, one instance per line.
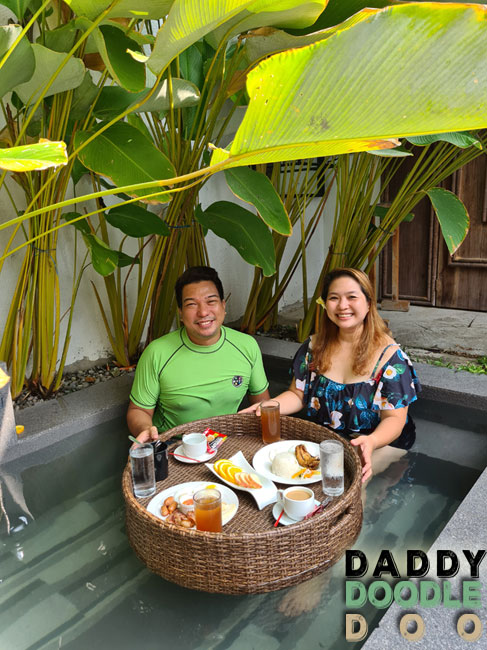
[197, 274]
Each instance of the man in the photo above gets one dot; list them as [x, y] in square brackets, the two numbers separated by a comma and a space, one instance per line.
[198, 371]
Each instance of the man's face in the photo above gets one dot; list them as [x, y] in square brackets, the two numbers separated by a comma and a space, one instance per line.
[202, 312]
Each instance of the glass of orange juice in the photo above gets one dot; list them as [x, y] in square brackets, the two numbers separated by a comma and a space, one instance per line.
[208, 510]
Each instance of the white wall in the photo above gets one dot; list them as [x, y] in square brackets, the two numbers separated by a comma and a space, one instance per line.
[88, 336]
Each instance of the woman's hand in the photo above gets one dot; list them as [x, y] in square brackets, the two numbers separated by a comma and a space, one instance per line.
[255, 408]
[366, 446]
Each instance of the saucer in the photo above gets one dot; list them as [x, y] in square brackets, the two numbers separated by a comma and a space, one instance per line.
[285, 520]
[199, 459]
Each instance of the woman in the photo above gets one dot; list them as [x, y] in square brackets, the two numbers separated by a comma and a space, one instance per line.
[352, 376]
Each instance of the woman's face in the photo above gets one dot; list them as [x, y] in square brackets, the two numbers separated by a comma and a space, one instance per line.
[346, 304]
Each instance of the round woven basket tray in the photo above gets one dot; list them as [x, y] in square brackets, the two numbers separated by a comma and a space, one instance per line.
[250, 555]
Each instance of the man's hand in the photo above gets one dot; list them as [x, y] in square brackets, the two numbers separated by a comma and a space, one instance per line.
[148, 435]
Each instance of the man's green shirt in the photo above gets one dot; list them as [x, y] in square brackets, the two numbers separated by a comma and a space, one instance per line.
[183, 381]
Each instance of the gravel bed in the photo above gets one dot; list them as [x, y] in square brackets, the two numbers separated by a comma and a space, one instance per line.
[72, 382]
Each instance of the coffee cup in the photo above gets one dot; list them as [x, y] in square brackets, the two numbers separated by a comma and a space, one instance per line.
[194, 444]
[297, 501]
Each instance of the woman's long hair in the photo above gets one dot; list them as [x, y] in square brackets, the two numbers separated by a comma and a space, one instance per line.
[373, 335]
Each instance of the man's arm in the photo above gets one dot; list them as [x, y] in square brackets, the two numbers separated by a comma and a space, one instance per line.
[256, 399]
[139, 422]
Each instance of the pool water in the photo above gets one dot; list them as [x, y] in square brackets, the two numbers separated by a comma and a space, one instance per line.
[69, 579]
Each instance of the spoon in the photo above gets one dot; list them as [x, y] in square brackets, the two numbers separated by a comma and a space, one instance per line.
[319, 507]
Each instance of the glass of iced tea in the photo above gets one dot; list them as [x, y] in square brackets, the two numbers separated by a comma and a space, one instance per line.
[270, 421]
[208, 510]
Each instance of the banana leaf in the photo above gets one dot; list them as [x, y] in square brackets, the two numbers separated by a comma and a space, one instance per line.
[70, 76]
[125, 155]
[189, 21]
[20, 64]
[32, 157]
[149, 9]
[345, 94]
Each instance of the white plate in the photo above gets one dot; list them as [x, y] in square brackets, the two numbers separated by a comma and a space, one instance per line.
[263, 496]
[285, 520]
[263, 464]
[228, 496]
[199, 459]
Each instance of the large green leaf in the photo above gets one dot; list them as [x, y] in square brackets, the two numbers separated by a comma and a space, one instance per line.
[183, 94]
[20, 65]
[125, 155]
[61, 39]
[373, 80]
[243, 230]
[263, 13]
[33, 156]
[78, 223]
[113, 99]
[190, 20]
[104, 259]
[462, 140]
[112, 45]
[263, 42]
[186, 23]
[149, 9]
[18, 7]
[255, 188]
[83, 98]
[135, 221]
[337, 11]
[452, 216]
[46, 63]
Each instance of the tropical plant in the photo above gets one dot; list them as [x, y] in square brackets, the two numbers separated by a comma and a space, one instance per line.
[304, 187]
[363, 224]
[294, 111]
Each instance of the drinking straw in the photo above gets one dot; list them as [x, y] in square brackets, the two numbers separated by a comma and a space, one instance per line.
[279, 518]
[172, 453]
[135, 440]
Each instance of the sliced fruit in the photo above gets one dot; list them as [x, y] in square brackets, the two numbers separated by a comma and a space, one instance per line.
[244, 479]
[255, 481]
[222, 462]
[232, 471]
[241, 480]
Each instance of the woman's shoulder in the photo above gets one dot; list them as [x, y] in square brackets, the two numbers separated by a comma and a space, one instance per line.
[384, 352]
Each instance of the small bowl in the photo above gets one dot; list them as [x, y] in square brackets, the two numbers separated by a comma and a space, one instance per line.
[185, 502]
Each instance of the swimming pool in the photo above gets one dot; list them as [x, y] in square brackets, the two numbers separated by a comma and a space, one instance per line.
[69, 579]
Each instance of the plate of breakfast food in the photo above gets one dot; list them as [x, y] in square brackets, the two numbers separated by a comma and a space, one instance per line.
[292, 462]
[175, 504]
[240, 475]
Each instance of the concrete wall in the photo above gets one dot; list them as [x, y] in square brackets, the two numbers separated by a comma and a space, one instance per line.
[89, 339]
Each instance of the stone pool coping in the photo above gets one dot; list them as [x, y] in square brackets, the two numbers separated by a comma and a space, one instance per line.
[54, 420]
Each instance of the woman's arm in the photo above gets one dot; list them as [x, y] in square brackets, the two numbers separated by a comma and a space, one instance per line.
[389, 428]
[290, 401]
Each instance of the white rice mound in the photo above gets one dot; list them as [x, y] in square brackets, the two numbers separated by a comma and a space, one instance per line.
[285, 464]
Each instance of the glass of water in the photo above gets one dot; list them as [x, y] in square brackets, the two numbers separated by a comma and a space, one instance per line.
[143, 475]
[331, 459]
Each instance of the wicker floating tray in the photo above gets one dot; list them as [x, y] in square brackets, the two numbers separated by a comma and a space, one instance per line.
[250, 555]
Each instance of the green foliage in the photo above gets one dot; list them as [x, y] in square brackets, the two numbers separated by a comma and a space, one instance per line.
[255, 188]
[243, 230]
[125, 155]
[358, 87]
[478, 367]
[452, 216]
